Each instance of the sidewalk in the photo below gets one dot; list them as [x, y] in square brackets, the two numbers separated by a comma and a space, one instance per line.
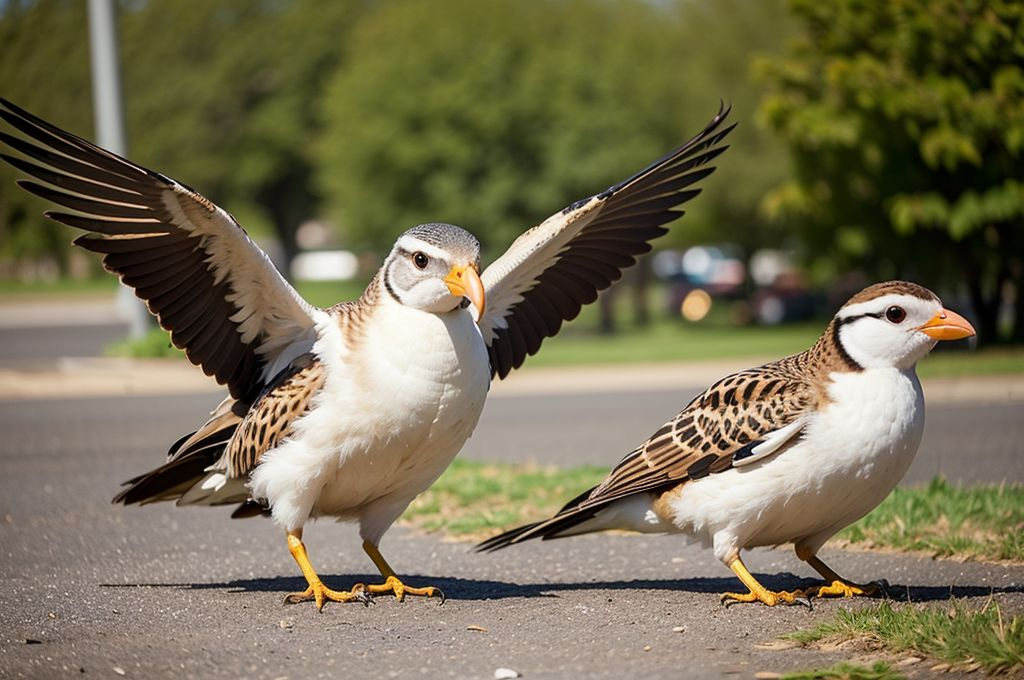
[104, 377]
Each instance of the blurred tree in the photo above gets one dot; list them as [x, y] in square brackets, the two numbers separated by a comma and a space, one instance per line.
[218, 94]
[44, 66]
[494, 115]
[906, 124]
[224, 101]
[715, 43]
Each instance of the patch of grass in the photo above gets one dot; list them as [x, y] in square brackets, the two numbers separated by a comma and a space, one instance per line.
[671, 340]
[980, 522]
[156, 344]
[991, 361]
[845, 670]
[327, 293]
[968, 639]
[472, 499]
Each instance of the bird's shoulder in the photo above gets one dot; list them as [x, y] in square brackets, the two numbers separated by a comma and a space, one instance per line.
[272, 417]
[719, 428]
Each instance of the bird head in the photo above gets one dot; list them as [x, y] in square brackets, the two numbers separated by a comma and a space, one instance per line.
[895, 324]
[435, 268]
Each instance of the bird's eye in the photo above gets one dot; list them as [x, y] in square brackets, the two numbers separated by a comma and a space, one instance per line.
[895, 314]
[420, 260]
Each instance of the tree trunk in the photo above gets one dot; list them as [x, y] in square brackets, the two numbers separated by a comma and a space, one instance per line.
[986, 306]
[288, 202]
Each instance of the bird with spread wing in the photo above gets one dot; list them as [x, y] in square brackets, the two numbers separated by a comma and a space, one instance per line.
[351, 411]
[790, 452]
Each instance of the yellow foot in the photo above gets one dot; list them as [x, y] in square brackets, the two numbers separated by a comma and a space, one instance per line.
[842, 589]
[393, 585]
[768, 597]
[321, 593]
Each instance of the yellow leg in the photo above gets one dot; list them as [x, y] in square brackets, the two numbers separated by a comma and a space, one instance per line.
[835, 585]
[758, 593]
[392, 584]
[317, 590]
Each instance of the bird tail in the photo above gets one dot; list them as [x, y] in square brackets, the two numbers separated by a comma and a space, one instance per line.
[187, 474]
[569, 521]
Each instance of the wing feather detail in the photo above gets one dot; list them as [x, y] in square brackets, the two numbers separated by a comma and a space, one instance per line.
[742, 418]
[555, 268]
[207, 283]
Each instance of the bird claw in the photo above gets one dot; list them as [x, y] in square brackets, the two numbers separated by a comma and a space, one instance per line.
[768, 597]
[393, 585]
[321, 594]
[840, 588]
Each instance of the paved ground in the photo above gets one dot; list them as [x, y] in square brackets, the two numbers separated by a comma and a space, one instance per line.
[89, 588]
[161, 591]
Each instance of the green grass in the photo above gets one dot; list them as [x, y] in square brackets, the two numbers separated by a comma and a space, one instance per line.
[663, 340]
[670, 340]
[155, 344]
[845, 670]
[980, 522]
[327, 293]
[989, 361]
[472, 499]
[967, 639]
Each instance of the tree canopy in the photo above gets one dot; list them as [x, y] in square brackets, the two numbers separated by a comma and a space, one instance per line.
[490, 115]
[906, 124]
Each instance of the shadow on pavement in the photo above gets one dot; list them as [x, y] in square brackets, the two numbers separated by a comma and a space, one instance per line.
[481, 589]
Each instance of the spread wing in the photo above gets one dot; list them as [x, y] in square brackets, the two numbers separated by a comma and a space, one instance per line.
[745, 417]
[553, 269]
[217, 293]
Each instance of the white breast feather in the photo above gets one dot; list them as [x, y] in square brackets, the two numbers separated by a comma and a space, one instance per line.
[851, 455]
[389, 420]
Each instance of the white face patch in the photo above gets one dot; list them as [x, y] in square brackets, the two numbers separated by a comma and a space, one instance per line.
[873, 341]
[412, 244]
[880, 304]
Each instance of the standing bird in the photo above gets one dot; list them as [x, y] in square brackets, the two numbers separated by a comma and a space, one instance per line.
[351, 411]
[792, 451]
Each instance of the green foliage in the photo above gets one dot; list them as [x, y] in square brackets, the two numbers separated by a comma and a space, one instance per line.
[471, 499]
[41, 42]
[906, 124]
[981, 522]
[217, 94]
[494, 116]
[844, 670]
[155, 344]
[971, 639]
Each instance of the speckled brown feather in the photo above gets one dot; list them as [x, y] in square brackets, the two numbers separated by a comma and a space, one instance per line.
[736, 412]
[725, 421]
[271, 419]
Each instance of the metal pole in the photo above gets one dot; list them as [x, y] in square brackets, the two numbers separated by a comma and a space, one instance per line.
[109, 113]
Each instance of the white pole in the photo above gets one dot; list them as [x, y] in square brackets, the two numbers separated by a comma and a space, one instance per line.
[109, 113]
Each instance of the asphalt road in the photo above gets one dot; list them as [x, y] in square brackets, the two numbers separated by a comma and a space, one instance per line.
[161, 591]
[19, 343]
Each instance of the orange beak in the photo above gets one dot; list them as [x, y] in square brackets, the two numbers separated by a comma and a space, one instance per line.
[947, 325]
[464, 281]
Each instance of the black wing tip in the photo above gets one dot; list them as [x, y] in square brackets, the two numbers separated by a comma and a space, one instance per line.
[680, 151]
